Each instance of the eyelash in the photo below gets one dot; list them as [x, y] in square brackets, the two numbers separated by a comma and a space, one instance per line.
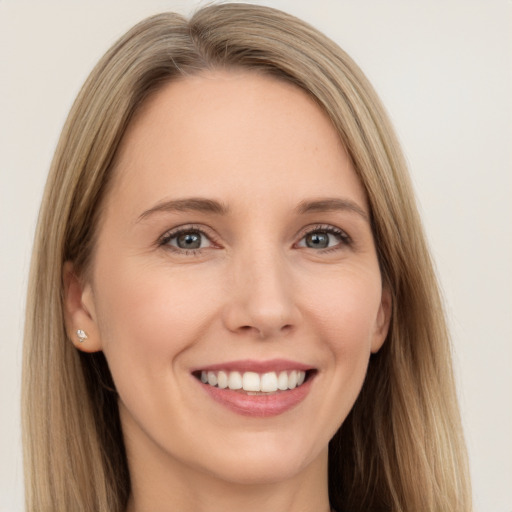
[170, 235]
[345, 239]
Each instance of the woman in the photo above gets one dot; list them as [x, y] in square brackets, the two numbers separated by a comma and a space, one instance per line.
[232, 303]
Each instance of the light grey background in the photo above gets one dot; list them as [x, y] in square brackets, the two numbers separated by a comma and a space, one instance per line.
[443, 69]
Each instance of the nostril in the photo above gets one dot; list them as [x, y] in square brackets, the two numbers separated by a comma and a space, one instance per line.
[249, 329]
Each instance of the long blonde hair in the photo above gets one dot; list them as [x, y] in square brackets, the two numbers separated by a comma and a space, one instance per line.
[401, 448]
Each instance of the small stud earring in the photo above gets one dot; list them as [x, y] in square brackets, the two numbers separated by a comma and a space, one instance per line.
[82, 336]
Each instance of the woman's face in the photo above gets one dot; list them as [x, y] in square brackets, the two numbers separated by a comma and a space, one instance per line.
[235, 246]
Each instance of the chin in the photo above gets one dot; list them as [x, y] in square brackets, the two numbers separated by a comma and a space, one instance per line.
[266, 465]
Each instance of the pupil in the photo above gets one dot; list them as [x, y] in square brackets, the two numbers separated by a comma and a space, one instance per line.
[317, 240]
[189, 241]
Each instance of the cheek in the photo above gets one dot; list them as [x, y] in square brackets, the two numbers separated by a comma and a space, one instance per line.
[345, 315]
[148, 316]
[347, 312]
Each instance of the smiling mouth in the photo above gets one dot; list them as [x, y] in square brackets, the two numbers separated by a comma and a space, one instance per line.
[253, 383]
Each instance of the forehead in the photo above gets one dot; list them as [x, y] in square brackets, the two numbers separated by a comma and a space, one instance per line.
[216, 128]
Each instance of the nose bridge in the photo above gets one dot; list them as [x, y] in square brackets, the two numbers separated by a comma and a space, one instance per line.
[261, 299]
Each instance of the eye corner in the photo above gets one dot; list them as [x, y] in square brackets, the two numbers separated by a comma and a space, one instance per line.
[189, 239]
[322, 236]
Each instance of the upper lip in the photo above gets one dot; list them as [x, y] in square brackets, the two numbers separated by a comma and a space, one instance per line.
[251, 365]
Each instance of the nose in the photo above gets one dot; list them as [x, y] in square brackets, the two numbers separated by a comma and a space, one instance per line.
[261, 299]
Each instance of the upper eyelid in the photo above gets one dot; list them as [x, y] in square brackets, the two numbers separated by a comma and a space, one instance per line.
[189, 227]
[321, 227]
[210, 233]
[345, 240]
[173, 232]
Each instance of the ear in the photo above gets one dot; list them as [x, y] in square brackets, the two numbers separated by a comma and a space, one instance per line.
[79, 311]
[383, 320]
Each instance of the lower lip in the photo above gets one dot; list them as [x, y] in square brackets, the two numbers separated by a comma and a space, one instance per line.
[261, 406]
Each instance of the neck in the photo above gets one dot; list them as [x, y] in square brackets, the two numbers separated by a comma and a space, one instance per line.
[178, 487]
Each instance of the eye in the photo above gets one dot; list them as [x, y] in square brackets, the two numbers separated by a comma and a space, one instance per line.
[324, 238]
[187, 239]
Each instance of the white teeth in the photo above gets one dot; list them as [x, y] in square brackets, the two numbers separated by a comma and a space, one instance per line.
[282, 381]
[253, 382]
[222, 380]
[235, 381]
[269, 382]
[292, 379]
[212, 379]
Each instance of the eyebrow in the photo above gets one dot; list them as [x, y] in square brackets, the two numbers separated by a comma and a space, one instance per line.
[331, 205]
[195, 204]
[202, 205]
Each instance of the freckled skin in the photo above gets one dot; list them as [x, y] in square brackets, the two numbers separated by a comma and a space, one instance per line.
[254, 289]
